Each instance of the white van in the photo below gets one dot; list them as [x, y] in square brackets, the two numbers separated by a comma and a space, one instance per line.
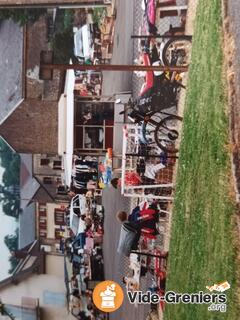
[78, 208]
[83, 42]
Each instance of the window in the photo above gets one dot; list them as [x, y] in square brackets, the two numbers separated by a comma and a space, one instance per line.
[43, 233]
[54, 298]
[58, 180]
[94, 126]
[47, 180]
[43, 221]
[44, 162]
[57, 165]
[61, 190]
[59, 217]
[93, 137]
[42, 210]
[28, 312]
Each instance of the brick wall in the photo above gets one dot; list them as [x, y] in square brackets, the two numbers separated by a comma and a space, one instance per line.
[36, 41]
[33, 127]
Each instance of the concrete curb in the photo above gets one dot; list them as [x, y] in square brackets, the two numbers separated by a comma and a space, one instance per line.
[229, 54]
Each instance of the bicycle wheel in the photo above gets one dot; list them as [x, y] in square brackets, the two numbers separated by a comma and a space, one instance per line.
[166, 134]
[148, 129]
[177, 52]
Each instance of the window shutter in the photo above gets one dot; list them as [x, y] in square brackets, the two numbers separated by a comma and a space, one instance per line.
[59, 217]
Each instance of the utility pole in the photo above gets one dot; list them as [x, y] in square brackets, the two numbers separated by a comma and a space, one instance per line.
[7, 4]
[110, 67]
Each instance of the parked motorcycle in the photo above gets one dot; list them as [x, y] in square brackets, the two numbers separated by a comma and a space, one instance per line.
[149, 8]
[159, 90]
[158, 93]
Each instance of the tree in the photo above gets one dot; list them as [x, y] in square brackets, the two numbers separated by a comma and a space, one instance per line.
[10, 161]
[6, 157]
[15, 169]
[11, 208]
[62, 40]
[22, 16]
[11, 241]
[13, 264]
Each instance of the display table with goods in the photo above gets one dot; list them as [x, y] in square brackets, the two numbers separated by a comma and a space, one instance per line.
[147, 171]
[83, 247]
[142, 240]
[106, 169]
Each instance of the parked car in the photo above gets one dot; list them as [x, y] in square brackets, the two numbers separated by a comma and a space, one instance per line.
[77, 208]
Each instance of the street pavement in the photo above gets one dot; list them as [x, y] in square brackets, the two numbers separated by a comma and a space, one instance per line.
[116, 265]
[233, 9]
[11, 48]
[114, 82]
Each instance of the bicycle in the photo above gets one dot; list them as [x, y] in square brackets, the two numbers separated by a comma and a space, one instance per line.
[155, 129]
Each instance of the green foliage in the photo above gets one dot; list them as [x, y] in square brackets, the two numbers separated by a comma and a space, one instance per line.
[62, 40]
[22, 16]
[64, 20]
[5, 154]
[13, 264]
[98, 15]
[10, 161]
[11, 207]
[11, 241]
[11, 173]
[68, 19]
[62, 44]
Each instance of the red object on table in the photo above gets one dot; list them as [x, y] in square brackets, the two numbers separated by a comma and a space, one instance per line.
[132, 179]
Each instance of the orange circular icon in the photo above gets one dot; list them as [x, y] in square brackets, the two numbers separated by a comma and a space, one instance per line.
[108, 296]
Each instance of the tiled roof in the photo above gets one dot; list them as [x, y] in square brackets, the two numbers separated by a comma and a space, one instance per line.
[11, 59]
[28, 184]
[27, 226]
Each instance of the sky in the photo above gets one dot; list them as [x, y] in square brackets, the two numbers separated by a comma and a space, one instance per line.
[8, 225]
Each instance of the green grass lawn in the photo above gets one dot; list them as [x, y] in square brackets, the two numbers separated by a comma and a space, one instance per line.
[201, 249]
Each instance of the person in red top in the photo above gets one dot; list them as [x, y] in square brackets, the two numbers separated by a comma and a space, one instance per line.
[134, 179]
[131, 179]
[144, 217]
